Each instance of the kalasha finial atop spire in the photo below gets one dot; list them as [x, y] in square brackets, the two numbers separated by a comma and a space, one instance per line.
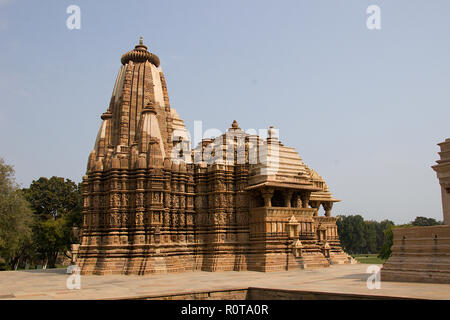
[141, 45]
[272, 133]
[140, 54]
[235, 125]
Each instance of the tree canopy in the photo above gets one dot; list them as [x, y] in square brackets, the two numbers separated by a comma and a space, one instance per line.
[423, 221]
[56, 204]
[15, 219]
[359, 236]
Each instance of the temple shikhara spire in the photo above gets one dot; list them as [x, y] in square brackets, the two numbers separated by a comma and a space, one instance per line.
[154, 203]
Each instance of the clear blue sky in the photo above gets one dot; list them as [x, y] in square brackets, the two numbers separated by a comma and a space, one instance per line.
[364, 108]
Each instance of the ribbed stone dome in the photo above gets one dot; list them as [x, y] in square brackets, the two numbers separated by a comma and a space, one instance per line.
[140, 54]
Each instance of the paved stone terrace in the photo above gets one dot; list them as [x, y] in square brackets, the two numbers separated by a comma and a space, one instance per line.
[343, 279]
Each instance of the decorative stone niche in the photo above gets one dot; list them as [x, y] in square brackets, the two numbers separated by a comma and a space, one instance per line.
[293, 228]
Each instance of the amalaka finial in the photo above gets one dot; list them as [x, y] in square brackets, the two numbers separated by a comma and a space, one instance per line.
[140, 54]
[235, 125]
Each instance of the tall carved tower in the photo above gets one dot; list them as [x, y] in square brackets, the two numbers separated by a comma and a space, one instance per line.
[237, 202]
[132, 191]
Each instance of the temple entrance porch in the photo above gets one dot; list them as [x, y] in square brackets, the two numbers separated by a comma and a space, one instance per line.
[290, 232]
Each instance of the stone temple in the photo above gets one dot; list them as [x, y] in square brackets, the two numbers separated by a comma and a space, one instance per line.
[153, 204]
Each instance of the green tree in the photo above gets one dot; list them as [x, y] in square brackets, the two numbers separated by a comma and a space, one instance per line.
[359, 236]
[57, 204]
[385, 251]
[351, 230]
[381, 237]
[15, 220]
[371, 236]
[423, 221]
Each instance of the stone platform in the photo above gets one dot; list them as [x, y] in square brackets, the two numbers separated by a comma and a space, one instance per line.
[419, 254]
[335, 282]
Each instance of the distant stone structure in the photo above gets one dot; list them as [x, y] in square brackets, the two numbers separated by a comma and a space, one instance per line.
[443, 173]
[422, 254]
[154, 205]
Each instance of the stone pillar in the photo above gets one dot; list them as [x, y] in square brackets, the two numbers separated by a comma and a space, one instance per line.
[75, 245]
[442, 169]
[287, 198]
[74, 249]
[327, 207]
[297, 201]
[305, 198]
[315, 205]
[267, 195]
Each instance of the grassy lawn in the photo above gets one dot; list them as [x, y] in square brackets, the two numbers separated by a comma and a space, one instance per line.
[33, 267]
[368, 258]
